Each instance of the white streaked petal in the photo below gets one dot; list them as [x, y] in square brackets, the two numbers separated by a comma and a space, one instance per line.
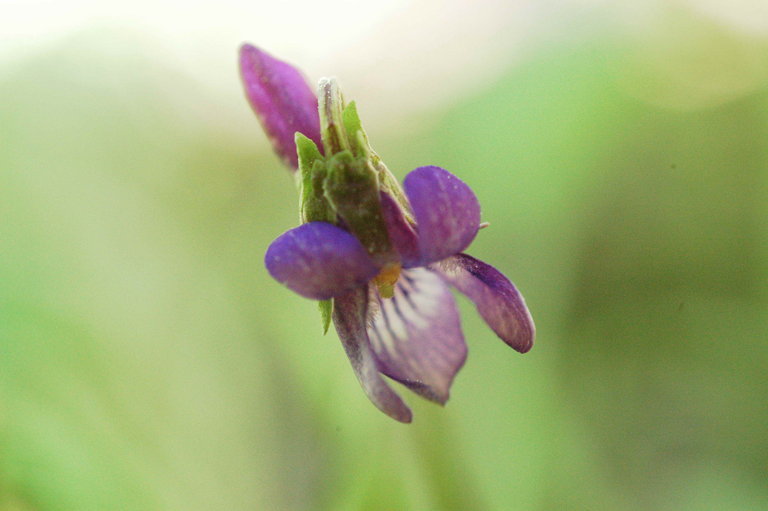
[416, 334]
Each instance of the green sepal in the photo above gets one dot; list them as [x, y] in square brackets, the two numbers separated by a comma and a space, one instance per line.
[358, 140]
[388, 183]
[352, 189]
[361, 147]
[313, 206]
[330, 106]
[306, 150]
[326, 312]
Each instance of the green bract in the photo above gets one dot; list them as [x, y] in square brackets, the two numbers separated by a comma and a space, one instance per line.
[343, 186]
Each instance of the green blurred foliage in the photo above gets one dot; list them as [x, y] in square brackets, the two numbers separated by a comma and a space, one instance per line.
[147, 361]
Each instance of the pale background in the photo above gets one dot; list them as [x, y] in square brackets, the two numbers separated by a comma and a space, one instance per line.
[148, 361]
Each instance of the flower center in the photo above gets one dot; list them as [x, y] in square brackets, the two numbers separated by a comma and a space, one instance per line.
[387, 278]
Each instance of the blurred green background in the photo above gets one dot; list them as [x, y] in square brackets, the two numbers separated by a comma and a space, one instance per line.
[148, 361]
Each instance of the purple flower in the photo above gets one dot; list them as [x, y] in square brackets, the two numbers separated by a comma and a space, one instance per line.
[414, 335]
[384, 258]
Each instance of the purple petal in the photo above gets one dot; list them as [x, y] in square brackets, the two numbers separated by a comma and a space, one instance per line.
[401, 233]
[416, 334]
[319, 261]
[447, 212]
[496, 298]
[282, 100]
[349, 315]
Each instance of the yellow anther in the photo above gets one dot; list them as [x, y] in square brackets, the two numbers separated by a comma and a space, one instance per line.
[387, 278]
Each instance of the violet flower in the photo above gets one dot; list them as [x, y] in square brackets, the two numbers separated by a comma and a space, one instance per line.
[380, 258]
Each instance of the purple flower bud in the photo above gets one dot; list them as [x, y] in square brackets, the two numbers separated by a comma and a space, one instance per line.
[282, 100]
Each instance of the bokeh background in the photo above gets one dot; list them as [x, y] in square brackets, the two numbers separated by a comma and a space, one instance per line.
[619, 150]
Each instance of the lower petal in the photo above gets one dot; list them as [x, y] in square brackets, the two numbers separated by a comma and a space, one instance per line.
[349, 315]
[498, 302]
[416, 334]
[319, 261]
